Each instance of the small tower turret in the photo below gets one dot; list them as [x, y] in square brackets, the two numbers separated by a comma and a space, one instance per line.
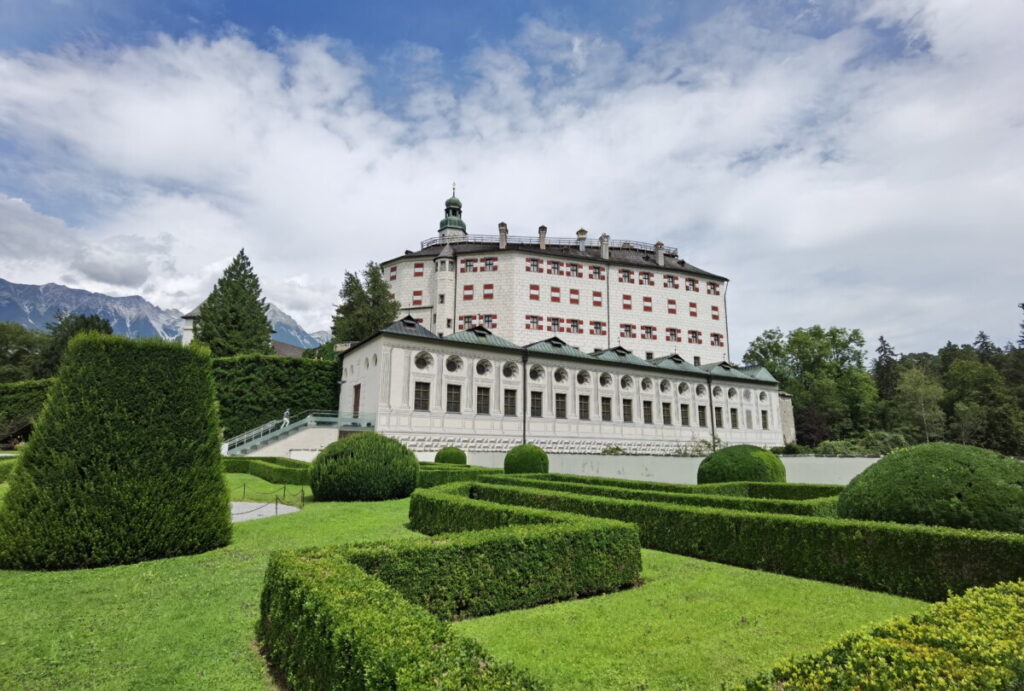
[452, 226]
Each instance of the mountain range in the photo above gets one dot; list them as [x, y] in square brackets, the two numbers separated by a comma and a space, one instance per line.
[34, 306]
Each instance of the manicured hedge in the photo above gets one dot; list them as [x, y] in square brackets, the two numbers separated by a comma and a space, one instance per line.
[254, 389]
[6, 468]
[21, 402]
[452, 455]
[756, 490]
[526, 458]
[972, 641]
[365, 466]
[278, 471]
[433, 474]
[124, 461]
[743, 463]
[372, 615]
[816, 507]
[915, 561]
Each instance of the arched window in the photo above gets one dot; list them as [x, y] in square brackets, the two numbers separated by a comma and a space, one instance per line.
[423, 360]
[483, 367]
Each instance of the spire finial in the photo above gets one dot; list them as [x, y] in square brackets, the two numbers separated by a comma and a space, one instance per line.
[453, 189]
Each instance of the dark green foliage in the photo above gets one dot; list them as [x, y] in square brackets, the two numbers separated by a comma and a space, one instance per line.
[254, 389]
[452, 455]
[742, 463]
[372, 615]
[792, 448]
[940, 484]
[914, 561]
[366, 307]
[278, 471]
[433, 474]
[365, 466]
[814, 507]
[20, 404]
[526, 458]
[233, 318]
[973, 641]
[762, 490]
[20, 352]
[124, 462]
[6, 468]
[61, 332]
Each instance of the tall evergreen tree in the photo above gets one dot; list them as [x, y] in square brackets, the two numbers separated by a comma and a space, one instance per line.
[61, 332]
[1020, 338]
[884, 369]
[233, 319]
[367, 305]
[987, 350]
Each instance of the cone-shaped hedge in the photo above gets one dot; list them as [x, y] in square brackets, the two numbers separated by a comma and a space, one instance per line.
[124, 462]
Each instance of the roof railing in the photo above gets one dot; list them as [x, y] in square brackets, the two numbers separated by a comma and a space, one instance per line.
[535, 240]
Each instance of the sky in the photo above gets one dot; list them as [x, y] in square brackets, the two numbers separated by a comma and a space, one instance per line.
[852, 163]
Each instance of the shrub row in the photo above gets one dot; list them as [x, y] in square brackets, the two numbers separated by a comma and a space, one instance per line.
[373, 615]
[21, 402]
[972, 641]
[278, 471]
[914, 561]
[756, 490]
[815, 507]
[6, 467]
[434, 474]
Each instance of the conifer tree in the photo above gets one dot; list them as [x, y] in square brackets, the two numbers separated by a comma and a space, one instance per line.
[1020, 339]
[884, 369]
[367, 305]
[233, 319]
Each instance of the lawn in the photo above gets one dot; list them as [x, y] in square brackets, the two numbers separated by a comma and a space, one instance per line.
[188, 622]
[243, 487]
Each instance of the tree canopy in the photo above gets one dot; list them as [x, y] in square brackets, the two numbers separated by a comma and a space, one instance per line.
[367, 305]
[233, 318]
[61, 331]
[20, 352]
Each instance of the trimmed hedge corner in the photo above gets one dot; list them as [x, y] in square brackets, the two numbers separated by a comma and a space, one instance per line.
[279, 471]
[742, 463]
[124, 462]
[971, 641]
[374, 615]
[526, 458]
[21, 402]
[451, 455]
[434, 474]
[940, 484]
[365, 466]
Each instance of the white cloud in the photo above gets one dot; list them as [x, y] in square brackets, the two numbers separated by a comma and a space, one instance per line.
[854, 178]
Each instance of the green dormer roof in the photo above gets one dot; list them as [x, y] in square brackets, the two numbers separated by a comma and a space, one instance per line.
[676, 363]
[619, 354]
[554, 346]
[479, 335]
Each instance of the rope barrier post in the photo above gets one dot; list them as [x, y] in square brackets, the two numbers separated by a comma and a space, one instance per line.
[243, 490]
[302, 498]
[275, 505]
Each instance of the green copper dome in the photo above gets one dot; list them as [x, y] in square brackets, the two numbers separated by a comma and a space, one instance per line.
[452, 216]
[454, 202]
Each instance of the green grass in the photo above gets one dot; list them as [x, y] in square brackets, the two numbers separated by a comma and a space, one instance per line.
[692, 625]
[243, 487]
[188, 622]
[3, 489]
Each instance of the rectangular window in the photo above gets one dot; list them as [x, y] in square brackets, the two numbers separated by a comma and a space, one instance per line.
[483, 400]
[684, 414]
[534, 291]
[666, 413]
[627, 302]
[584, 407]
[671, 306]
[533, 265]
[649, 333]
[627, 331]
[466, 321]
[560, 406]
[692, 285]
[714, 312]
[717, 340]
[510, 403]
[533, 322]
[598, 301]
[574, 296]
[597, 273]
[702, 415]
[597, 328]
[606, 408]
[718, 417]
[555, 324]
[488, 291]
[536, 404]
[574, 270]
[440, 298]
[555, 267]
[421, 396]
[646, 278]
[671, 281]
[672, 334]
[696, 358]
[467, 292]
[712, 288]
[734, 418]
[490, 321]
[626, 276]
[490, 264]
[627, 410]
[648, 304]
[454, 400]
[693, 337]
[468, 265]
[417, 269]
[648, 413]
[693, 309]
[417, 297]
[574, 326]
[556, 294]
[393, 272]
[764, 419]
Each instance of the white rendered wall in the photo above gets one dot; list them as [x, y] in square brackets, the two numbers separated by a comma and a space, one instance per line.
[303, 445]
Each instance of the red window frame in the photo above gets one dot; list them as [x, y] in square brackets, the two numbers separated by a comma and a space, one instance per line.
[627, 302]
[627, 330]
[693, 309]
[671, 281]
[712, 288]
[488, 291]
[417, 269]
[535, 291]
[534, 322]
[417, 297]
[597, 328]
[649, 333]
[671, 306]
[467, 292]
[693, 285]
[714, 313]
[694, 336]
[393, 271]
[646, 278]
[717, 340]
[648, 304]
[556, 294]
[534, 265]
[598, 299]
[574, 296]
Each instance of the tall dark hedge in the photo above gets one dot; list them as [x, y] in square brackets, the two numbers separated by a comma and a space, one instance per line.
[20, 403]
[124, 463]
[254, 389]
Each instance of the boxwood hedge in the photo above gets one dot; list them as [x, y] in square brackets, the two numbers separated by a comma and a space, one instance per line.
[374, 615]
[20, 403]
[6, 468]
[759, 490]
[972, 641]
[434, 474]
[279, 471]
[915, 561]
[124, 462]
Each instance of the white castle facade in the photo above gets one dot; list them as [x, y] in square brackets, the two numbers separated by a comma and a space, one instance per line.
[572, 344]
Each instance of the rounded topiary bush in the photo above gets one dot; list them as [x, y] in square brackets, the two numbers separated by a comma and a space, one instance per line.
[124, 463]
[364, 467]
[940, 484]
[526, 458]
[451, 455]
[742, 463]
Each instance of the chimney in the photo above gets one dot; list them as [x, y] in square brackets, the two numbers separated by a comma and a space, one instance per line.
[581, 239]
[502, 235]
[542, 233]
[659, 253]
[605, 240]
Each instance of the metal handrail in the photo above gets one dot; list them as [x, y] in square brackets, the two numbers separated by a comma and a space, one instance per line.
[298, 421]
[535, 240]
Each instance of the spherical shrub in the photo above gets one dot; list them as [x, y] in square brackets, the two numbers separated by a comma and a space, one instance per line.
[452, 455]
[364, 467]
[526, 458]
[742, 463]
[124, 463]
[940, 484]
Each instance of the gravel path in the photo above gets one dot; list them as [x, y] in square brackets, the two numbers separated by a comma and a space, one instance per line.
[250, 510]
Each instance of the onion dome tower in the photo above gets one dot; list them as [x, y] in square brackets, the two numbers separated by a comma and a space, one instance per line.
[452, 227]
